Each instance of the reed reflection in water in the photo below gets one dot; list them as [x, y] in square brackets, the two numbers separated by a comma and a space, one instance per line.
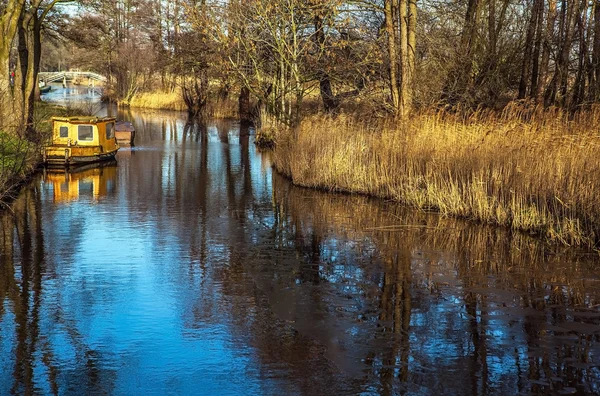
[421, 301]
[189, 267]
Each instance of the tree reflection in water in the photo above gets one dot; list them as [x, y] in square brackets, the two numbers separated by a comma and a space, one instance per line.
[218, 269]
[23, 273]
[447, 297]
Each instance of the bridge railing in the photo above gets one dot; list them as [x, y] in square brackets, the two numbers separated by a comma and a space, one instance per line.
[49, 77]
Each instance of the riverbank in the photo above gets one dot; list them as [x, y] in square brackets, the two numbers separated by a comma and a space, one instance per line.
[158, 100]
[530, 171]
[20, 158]
[173, 100]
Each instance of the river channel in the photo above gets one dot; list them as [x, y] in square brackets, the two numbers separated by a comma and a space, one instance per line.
[189, 267]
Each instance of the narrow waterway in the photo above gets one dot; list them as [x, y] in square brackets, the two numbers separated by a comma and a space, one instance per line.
[189, 267]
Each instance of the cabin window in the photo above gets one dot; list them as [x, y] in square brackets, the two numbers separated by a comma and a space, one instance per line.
[64, 131]
[110, 131]
[85, 133]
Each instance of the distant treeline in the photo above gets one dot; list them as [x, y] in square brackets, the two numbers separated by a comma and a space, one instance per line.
[391, 55]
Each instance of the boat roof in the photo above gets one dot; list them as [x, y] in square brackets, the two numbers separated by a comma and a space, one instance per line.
[84, 119]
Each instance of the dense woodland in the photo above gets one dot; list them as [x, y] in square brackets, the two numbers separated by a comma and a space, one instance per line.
[392, 56]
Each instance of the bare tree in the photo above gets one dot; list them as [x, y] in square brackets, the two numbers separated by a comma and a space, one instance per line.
[10, 13]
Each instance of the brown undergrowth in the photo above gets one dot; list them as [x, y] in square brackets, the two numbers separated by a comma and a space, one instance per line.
[526, 169]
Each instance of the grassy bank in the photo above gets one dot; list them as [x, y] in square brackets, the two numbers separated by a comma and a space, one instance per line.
[531, 171]
[159, 100]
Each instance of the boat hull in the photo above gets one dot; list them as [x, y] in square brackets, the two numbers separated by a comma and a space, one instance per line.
[66, 156]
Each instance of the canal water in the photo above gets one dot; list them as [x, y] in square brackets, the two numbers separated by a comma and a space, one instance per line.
[190, 267]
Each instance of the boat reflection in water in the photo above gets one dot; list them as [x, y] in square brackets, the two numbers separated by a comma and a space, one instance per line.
[93, 180]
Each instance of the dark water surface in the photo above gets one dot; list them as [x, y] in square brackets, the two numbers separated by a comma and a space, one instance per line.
[190, 268]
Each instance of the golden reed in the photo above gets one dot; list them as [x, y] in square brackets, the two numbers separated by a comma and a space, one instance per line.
[158, 100]
[526, 169]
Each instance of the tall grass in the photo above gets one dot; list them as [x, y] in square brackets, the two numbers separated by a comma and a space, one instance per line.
[221, 108]
[529, 170]
[158, 100]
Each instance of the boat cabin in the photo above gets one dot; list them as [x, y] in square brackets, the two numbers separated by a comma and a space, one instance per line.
[80, 140]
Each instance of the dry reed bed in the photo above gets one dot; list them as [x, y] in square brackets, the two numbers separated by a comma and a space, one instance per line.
[158, 100]
[535, 171]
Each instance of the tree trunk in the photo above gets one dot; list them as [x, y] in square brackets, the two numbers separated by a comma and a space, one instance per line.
[546, 47]
[30, 49]
[596, 50]
[535, 69]
[492, 36]
[566, 48]
[589, 67]
[34, 87]
[244, 105]
[408, 74]
[469, 33]
[579, 87]
[191, 90]
[560, 78]
[9, 24]
[527, 55]
[330, 102]
[404, 75]
[460, 77]
[392, 55]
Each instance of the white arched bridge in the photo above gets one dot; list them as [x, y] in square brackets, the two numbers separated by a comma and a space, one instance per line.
[64, 76]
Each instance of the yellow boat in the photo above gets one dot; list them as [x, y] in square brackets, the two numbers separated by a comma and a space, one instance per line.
[81, 140]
